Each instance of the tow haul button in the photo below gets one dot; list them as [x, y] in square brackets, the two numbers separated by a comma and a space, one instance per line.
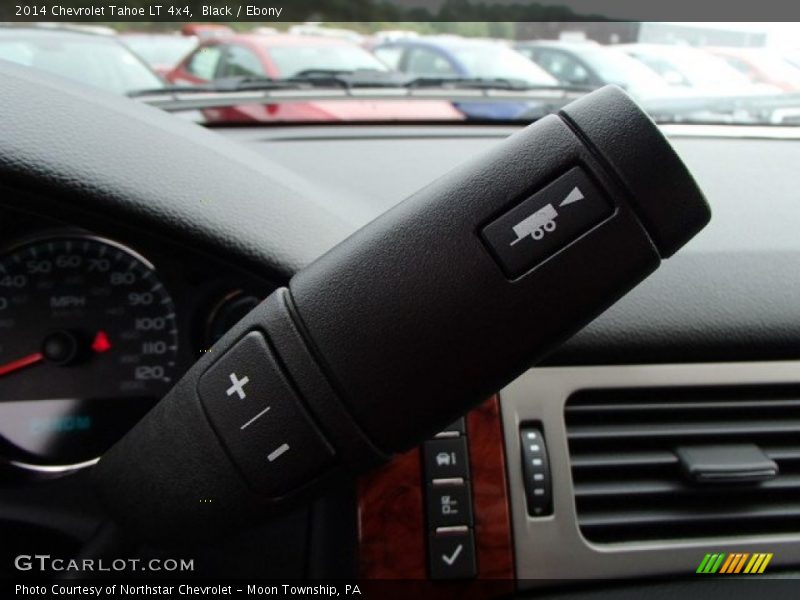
[545, 222]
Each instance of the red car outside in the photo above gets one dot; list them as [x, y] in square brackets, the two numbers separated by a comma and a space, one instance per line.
[283, 55]
[763, 66]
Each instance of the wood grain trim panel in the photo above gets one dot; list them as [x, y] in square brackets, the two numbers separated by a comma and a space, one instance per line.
[392, 530]
[490, 492]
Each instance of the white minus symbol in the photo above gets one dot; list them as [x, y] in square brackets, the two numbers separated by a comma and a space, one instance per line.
[277, 452]
[259, 415]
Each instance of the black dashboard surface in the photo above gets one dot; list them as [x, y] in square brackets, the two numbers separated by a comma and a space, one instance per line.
[731, 294]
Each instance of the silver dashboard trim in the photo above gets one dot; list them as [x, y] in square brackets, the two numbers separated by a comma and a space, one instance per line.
[53, 469]
[552, 547]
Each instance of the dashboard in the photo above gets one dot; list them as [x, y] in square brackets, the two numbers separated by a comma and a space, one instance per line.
[105, 339]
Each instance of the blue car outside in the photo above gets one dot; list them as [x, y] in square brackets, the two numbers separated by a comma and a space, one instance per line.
[455, 57]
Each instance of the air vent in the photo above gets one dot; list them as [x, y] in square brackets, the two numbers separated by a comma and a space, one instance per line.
[628, 477]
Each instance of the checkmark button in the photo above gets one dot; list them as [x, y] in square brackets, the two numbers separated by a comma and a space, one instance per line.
[451, 559]
[452, 554]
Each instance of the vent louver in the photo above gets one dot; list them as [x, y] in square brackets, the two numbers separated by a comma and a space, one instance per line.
[629, 485]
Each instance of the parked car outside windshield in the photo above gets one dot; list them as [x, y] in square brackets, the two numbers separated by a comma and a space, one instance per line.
[594, 65]
[461, 57]
[762, 66]
[439, 71]
[95, 60]
[692, 68]
[284, 56]
[274, 56]
[451, 57]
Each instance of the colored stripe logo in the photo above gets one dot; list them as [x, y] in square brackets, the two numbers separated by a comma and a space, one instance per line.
[734, 563]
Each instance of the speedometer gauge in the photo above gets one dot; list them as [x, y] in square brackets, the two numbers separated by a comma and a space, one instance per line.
[88, 343]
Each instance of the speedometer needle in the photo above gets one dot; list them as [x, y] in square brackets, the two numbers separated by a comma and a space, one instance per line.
[21, 363]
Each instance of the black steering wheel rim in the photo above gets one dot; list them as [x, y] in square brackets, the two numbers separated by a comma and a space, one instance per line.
[70, 151]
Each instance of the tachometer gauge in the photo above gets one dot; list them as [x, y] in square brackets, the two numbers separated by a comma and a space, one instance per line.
[88, 343]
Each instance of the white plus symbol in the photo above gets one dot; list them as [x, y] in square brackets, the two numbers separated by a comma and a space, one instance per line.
[238, 386]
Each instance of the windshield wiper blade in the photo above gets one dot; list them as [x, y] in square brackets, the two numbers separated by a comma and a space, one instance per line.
[491, 83]
[348, 80]
[224, 84]
[316, 85]
[304, 80]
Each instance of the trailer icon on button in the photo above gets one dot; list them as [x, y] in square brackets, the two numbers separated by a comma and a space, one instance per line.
[545, 222]
[542, 220]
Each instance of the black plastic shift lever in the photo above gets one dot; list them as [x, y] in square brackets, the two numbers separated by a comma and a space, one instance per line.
[410, 322]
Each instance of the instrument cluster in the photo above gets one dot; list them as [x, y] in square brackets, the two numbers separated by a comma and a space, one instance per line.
[95, 330]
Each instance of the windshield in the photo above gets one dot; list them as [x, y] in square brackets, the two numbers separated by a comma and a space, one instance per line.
[292, 60]
[763, 66]
[617, 67]
[773, 67]
[160, 50]
[492, 61]
[100, 63]
[691, 67]
[282, 72]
